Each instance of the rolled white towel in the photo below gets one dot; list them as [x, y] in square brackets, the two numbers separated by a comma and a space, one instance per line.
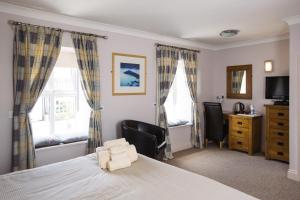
[103, 158]
[119, 148]
[102, 148]
[132, 154]
[119, 156]
[118, 164]
[111, 143]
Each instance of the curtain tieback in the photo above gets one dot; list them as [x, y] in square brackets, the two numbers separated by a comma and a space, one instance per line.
[24, 111]
[97, 109]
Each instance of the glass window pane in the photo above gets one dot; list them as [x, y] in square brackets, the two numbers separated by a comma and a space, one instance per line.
[64, 107]
[65, 79]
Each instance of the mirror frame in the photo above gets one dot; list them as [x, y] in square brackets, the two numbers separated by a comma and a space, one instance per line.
[248, 69]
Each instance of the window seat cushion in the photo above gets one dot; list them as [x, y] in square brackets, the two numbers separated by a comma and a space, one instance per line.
[45, 140]
[177, 123]
[73, 137]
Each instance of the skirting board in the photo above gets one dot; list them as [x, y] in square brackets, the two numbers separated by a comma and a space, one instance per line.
[293, 175]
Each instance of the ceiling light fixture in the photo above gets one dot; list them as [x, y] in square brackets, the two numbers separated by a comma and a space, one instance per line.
[229, 33]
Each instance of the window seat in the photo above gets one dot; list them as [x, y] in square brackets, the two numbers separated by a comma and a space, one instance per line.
[46, 140]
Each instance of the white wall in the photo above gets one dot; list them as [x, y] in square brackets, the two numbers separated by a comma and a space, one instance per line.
[255, 55]
[294, 168]
[116, 108]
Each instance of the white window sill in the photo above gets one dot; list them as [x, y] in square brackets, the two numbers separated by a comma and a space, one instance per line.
[62, 145]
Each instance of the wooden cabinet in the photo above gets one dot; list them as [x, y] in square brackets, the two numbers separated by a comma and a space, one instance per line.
[245, 133]
[277, 132]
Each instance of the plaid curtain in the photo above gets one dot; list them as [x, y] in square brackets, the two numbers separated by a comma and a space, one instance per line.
[87, 58]
[167, 60]
[35, 52]
[190, 63]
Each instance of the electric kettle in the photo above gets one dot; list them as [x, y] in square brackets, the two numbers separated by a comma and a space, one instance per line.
[239, 108]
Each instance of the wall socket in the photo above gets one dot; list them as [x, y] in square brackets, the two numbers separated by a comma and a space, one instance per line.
[10, 114]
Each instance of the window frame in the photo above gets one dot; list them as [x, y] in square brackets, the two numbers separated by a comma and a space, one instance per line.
[52, 94]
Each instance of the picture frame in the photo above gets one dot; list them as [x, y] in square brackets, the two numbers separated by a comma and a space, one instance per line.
[128, 74]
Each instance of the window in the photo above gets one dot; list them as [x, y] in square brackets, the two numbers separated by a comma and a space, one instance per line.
[61, 112]
[178, 104]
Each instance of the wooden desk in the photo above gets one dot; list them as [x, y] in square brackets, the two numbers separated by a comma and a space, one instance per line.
[245, 133]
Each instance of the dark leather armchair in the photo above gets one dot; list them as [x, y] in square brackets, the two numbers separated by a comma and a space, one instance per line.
[148, 139]
[216, 128]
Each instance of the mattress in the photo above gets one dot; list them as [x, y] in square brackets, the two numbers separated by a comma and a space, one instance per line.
[81, 178]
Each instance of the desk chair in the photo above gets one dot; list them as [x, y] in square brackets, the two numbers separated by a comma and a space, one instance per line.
[215, 127]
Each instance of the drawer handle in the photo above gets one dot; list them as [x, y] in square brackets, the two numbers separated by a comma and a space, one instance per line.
[280, 153]
[240, 123]
[239, 143]
[280, 124]
[280, 114]
[280, 133]
[239, 132]
[280, 143]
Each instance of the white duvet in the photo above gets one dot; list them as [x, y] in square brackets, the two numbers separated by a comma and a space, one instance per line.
[82, 178]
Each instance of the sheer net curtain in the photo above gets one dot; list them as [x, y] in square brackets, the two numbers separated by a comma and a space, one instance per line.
[179, 103]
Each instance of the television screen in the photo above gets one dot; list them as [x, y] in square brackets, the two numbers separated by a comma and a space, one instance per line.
[277, 87]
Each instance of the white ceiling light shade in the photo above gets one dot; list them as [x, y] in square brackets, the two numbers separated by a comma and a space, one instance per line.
[268, 66]
[229, 33]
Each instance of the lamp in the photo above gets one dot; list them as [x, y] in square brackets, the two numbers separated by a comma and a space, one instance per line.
[268, 66]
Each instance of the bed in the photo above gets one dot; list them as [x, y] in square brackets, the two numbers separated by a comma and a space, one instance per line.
[81, 178]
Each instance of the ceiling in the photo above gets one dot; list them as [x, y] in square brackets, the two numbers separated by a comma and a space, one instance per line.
[196, 20]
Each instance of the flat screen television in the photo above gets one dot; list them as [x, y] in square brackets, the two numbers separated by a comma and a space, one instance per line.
[277, 88]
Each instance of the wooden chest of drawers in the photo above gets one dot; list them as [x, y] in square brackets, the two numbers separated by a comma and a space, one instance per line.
[277, 132]
[245, 133]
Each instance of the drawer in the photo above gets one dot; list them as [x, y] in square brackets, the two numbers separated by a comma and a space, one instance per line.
[279, 114]
[279, 134]
[278, 154]
[240, 132]
[239, 143]
[239, 122]
[276, 143]
[279, 124]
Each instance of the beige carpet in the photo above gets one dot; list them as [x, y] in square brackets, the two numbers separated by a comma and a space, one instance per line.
[253, 175]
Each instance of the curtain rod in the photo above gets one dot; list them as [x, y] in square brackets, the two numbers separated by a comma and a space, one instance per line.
[158, 44]
[11, 22]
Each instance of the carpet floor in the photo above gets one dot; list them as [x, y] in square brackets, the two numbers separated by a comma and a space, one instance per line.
[254, 175]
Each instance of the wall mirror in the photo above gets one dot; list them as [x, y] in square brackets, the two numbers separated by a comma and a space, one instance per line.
[239, 82]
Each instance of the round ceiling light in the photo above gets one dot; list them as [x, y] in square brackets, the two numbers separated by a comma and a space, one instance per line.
[229, 33]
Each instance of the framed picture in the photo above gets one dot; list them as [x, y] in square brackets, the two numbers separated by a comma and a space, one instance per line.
[128, 74]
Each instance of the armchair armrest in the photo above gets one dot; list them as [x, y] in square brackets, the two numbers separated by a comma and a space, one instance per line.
[162, 144]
